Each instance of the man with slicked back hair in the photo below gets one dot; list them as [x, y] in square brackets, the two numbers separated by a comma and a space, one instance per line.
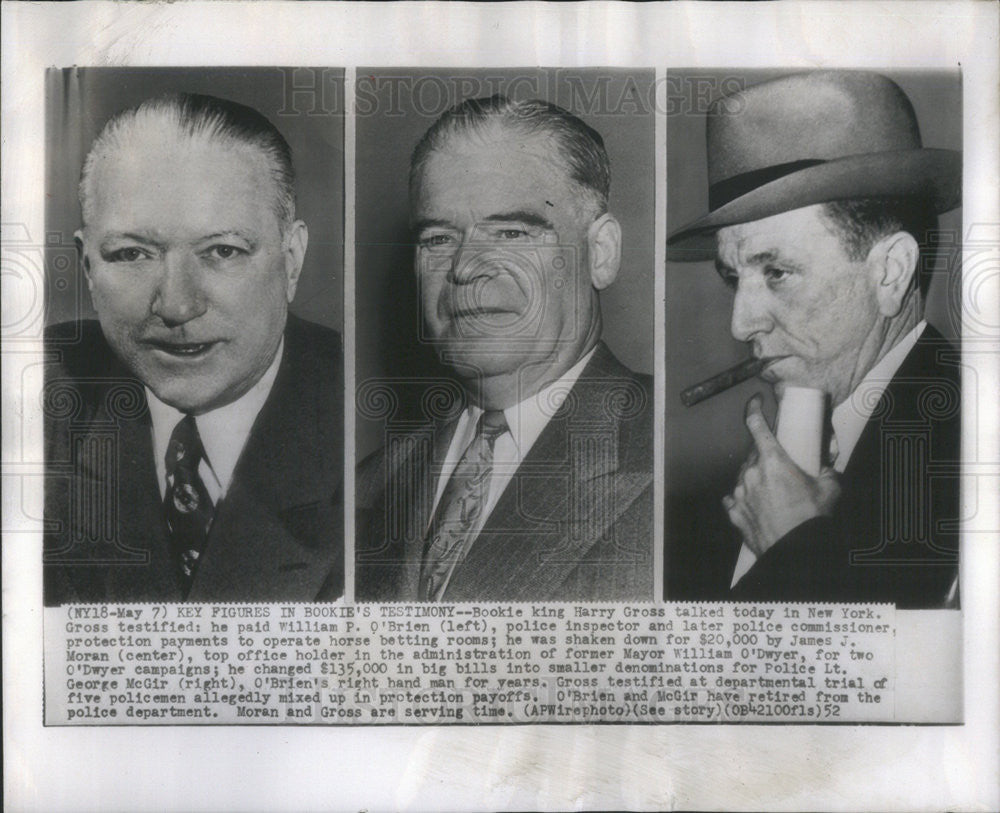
[193, 432]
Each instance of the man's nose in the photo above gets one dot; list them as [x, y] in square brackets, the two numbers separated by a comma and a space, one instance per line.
[750, 315]
[466, 264]
[473, 260]
[179, 296]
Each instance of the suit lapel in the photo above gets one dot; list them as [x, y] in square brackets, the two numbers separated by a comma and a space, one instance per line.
[563, 498]
[140, 517]
[395, 493]
[271, 534]
[256, 549]
[115, 536]
[898, 407]
[423, 466]
[905, 411]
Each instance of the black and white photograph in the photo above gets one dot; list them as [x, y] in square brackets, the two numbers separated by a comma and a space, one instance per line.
[517, 406]
[813, 259]
[193, 402]
[505, 335]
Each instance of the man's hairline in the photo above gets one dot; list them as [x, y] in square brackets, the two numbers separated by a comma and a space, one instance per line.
[269, 165]
[541, 134]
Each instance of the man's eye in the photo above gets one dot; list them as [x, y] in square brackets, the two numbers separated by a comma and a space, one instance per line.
[435, 240]
[513, 234]
[129, 254]
[729, 277]
[775, 274]
[223, 252]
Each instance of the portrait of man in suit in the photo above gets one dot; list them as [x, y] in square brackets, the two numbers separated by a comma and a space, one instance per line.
[193, 431]
[535, 483]
[823, 203]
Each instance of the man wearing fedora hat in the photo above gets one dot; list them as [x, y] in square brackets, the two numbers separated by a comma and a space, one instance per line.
[821, 196]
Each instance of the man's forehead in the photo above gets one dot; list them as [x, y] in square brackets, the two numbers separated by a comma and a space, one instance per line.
[493, 177]
[150, 168]
[190, 211]
[504, 150]
[784, 233]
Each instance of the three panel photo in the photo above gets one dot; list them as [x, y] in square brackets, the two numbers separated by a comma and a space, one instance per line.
[503, 295]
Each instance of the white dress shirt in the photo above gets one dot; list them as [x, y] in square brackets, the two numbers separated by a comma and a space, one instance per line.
[849, 418]
[525, 420]
[223, 431]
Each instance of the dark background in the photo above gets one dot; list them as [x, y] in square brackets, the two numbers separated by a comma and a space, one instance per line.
[394, 109]
[707, 443]
[305, 104]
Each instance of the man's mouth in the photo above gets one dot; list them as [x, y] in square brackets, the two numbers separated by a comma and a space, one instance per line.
[186, 350]
[473, 313]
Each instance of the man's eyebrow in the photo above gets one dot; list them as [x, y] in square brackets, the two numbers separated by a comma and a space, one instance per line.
[138, 237]
[153, 240]
[762, 257]
[521, 216]
[429, 223]
[220, 235]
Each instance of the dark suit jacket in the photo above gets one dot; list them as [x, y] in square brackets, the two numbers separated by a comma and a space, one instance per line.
[574, 523]
[277, 534]
[893, 536]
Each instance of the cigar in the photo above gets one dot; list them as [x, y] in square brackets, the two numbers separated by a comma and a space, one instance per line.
[724, 380]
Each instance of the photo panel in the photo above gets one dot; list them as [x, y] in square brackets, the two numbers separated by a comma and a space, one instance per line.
[715, 320]
[414, 536]
[478, 289]
[193, 393]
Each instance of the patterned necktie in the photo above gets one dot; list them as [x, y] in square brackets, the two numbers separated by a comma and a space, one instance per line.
[187, 505]
[458, 512]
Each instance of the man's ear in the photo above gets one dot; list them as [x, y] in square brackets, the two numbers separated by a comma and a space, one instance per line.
[81, 248]
[894, 262]
[296, 243]
[604, 245]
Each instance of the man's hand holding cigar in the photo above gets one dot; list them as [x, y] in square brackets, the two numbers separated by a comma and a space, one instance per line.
[772, 494]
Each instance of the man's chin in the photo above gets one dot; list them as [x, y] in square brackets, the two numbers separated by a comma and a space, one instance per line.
[191, 396]
[480, 357]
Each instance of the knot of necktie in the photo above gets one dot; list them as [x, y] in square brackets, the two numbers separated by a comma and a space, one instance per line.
[492, 424]
[184, 449]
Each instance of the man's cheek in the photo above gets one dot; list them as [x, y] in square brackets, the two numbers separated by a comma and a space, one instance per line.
[123, 302]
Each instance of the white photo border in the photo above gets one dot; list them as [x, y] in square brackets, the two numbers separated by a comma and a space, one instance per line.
[585, 767]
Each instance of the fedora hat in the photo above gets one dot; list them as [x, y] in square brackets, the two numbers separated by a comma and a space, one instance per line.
[812, 138]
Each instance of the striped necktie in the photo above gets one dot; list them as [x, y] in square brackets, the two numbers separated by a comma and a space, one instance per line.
[187, 505]
[458, 513]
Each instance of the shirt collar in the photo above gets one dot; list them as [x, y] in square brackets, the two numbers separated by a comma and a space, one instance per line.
[525, 422]
[850, 416]
[527, 419]
[223, 431]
